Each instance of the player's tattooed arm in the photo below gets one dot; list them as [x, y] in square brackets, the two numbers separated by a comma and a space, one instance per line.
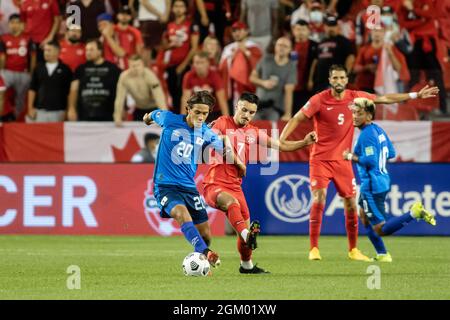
[288, 146]
[231, 157]
[292, 125]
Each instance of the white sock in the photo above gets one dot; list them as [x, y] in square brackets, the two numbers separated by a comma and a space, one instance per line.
[247, 264]
[244, 234]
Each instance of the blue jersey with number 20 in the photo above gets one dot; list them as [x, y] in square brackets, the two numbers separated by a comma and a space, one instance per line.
[373, 149]
[180, 149]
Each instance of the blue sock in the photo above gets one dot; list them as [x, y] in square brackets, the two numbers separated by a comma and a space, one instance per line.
[376, 240]
[191, 234]
[395, 224]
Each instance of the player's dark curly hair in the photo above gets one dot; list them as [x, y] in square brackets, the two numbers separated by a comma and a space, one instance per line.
[249, 97]
[202, 97]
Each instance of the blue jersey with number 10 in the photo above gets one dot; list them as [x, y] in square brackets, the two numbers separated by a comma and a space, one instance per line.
[180, 149]
[373, 149]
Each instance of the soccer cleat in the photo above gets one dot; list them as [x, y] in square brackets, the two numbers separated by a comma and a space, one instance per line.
[383, 257]
[314, 254]
[254, 270]
[357, 255]
[254, 230]
[420, 213]
[213, 258]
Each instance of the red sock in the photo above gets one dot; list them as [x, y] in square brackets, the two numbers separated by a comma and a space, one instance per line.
[235, 217]
[315, 223]
[351, 225]
[244, 251]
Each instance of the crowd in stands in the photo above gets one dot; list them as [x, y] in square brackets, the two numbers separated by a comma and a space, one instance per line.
[115, 60]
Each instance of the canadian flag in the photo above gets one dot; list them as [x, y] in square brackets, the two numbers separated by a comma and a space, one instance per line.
[73, 141]
[100, 142]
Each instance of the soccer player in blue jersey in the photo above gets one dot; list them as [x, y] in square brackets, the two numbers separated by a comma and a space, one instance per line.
[182, 144]
[371, 152]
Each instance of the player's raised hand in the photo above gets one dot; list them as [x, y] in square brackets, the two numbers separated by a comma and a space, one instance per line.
[147, 119]
[311, 138]
[428, 92]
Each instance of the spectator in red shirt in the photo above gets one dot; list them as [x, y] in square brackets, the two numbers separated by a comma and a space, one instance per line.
[42, 19]
[73, 51]
[180, 42]
[362, 31]
[130, 38]
[316, 22]
[238, 60]
[370, 55]
[17, 60]
[201, 77]
[419, 17]
[304, 52]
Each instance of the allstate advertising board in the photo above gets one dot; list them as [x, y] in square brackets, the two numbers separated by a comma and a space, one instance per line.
[282, 201]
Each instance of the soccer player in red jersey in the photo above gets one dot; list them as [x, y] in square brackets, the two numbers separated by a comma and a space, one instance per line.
[332, 116]
[222, 183]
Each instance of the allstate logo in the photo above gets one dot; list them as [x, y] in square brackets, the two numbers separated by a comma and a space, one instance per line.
[168, 227]
[289, 198]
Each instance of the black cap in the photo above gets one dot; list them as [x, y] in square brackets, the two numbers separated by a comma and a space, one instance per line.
[331, 21]
[125, 9]
[387, 9]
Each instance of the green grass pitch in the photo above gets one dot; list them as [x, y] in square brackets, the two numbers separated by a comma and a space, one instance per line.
[35, 267]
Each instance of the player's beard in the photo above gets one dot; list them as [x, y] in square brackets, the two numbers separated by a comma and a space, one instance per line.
[339, 88]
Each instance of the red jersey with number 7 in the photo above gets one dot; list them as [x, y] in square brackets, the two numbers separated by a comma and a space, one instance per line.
[333, 123]
[245, 142]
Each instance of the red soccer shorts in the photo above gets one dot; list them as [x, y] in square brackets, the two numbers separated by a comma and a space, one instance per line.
[338, 171]
[211, 191]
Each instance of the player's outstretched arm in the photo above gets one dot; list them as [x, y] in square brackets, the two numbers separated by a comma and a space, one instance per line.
[287, 146]
[424, 93]
[292, 125]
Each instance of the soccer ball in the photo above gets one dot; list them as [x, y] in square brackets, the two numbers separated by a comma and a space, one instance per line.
[196, 264]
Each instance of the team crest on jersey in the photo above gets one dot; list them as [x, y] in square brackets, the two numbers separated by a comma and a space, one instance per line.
[250, 139]
[199, 141]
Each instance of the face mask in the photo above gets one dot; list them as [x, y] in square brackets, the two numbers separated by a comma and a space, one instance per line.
[387, 20]
[316, 16]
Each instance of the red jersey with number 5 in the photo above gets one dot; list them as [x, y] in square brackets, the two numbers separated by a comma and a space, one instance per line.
[244, 140]
[332, 122]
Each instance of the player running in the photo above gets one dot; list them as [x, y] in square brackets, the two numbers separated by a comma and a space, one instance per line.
[371, 152]
[222, 183]
[182, 141]
[330, 110]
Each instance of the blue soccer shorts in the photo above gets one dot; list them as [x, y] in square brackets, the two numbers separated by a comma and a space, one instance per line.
[170, 196]
[373, 206]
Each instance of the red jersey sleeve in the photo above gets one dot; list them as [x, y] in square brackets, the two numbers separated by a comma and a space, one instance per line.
[312, 106]
[218, 126]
